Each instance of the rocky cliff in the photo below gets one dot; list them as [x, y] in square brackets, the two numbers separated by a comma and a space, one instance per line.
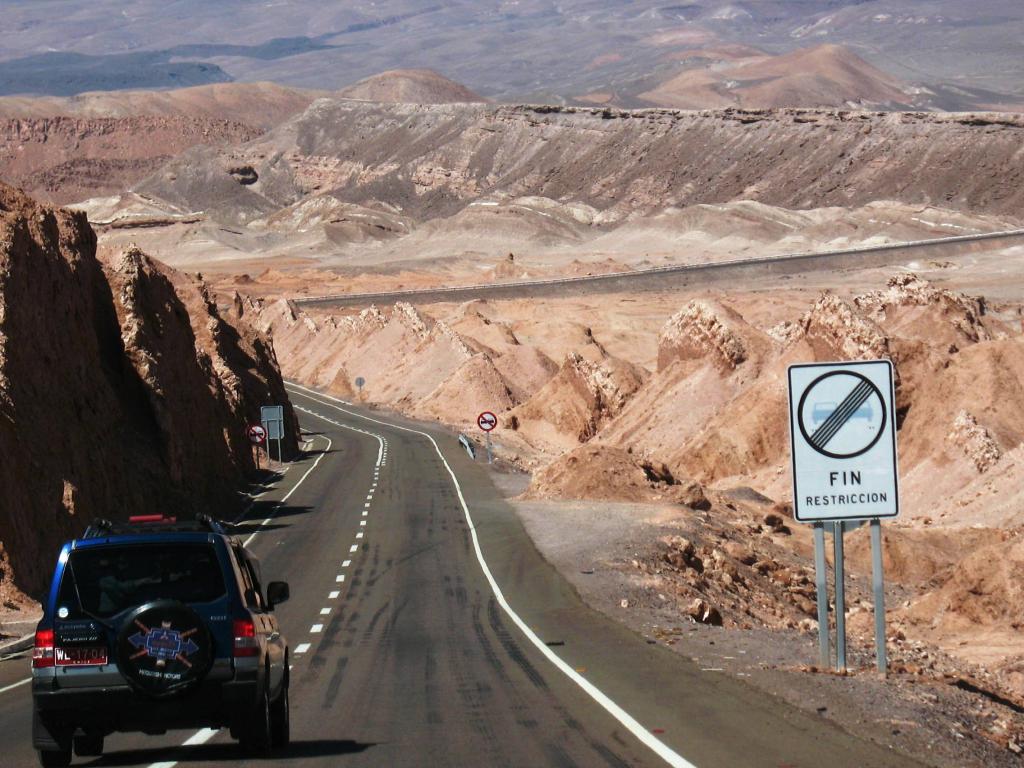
[123, 389]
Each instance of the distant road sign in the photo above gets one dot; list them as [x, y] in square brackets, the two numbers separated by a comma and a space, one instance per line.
[271, 413]
[257, 434]
[487, 421]
[843, 436]
[360, 382]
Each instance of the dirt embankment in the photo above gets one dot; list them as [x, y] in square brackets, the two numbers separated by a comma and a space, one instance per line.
[123, 389]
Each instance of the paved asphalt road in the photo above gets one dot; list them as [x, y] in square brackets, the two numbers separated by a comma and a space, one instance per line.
[405, 656]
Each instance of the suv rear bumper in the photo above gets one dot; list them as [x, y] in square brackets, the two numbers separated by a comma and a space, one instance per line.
[59, 712]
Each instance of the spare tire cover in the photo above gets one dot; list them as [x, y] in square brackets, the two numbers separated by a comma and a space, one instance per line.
[164, 648]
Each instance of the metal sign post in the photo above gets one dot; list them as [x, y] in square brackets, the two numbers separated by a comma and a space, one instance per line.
[821, 582]
[360, 383]
[487, 421]
[838, 529]
[842, 426]
[879, 590]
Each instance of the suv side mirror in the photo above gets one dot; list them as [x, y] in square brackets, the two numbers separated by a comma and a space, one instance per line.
[277, 592]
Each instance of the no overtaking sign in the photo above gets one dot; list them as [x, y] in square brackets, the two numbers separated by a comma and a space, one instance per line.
[843, 437]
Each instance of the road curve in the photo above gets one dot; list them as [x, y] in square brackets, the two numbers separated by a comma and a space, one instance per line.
[681, 275]
[407, 655]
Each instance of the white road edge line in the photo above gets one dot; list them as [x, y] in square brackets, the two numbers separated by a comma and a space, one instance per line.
[289, 494]
[660, 748]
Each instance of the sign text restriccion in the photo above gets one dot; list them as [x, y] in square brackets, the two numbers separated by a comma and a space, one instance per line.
[842, 425]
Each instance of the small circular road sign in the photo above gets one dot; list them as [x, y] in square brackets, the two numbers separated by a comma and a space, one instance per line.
[360, 382]
[487, 421]
[257, 434]
[842, 414]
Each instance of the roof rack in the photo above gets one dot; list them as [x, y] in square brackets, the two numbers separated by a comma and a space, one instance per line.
[102, 527]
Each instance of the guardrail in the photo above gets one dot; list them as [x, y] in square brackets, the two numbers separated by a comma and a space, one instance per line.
[795, 262]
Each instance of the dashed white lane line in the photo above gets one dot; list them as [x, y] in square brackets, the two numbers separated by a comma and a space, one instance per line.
[12, 686]
[316, 629]
[325, 611]
[366, 505]
[354, 548]
[197, 738]
[359, 535]
[339, 578]
[346, 564]
[656, 745]
[333, 595]
[365, 513]
[362, 522]
[204, 735]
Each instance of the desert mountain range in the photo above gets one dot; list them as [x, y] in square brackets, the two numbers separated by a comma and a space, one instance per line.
[953, 54]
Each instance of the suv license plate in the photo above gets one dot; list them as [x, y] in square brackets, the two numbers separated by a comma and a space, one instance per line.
[81, 656]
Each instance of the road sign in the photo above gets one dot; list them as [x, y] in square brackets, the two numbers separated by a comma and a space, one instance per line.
[843, 435]
[257, 434]
[360, 382]
[487, 421]
[272, 417]
[842, 429]
[270, 413]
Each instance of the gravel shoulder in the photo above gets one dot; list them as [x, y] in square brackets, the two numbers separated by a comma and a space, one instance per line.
[598, 546]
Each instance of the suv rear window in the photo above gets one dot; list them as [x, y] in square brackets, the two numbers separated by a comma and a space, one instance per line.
[115, 578]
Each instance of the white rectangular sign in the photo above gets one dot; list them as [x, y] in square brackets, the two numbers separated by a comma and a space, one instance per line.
[842, 427]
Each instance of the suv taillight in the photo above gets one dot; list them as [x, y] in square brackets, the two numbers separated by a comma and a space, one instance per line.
[246, 643]
[42, 653]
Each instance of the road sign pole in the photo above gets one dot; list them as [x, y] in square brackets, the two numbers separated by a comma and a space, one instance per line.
[821, 580]
[257, 458]
[879, 588]
[838, 530]
[490, 456]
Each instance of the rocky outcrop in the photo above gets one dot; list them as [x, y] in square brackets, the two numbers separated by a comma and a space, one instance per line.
[704, 329]
[975, 441]
[578, 401]
[111, 401]
[837, 331]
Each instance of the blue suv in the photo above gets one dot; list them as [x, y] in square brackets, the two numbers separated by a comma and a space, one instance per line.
[152, 625]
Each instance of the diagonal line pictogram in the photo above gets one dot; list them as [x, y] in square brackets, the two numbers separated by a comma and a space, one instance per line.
[841, 415]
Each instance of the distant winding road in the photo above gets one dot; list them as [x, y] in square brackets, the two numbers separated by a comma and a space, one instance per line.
[682, 275]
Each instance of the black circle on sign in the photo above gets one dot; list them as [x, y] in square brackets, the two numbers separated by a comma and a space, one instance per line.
[803, 429]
